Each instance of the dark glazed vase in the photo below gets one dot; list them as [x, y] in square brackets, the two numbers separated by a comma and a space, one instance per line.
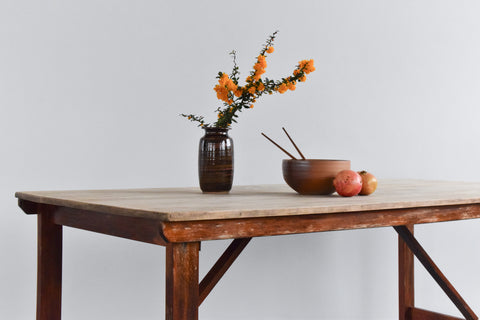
[215, 161]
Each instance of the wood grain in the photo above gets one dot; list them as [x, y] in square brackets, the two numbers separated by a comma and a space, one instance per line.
[406, 283]
[270, 226]
[182, 261]
[435, 272]
[49, 267]
[190, 204]
[134, 228]
[420, 314]
[180, 218]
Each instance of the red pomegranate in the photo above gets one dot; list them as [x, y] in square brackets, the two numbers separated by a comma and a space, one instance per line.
[348, 183]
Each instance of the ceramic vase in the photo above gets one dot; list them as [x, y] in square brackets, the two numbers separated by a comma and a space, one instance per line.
[215, 161]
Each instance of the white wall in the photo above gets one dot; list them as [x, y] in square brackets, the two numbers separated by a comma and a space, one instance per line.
[90, 93]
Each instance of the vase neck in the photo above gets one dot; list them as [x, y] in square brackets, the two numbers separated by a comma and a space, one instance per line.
[216, 131]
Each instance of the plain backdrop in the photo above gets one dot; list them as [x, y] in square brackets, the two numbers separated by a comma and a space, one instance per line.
[90, 96]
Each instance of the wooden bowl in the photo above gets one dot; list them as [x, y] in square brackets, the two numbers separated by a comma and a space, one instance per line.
[312, 176]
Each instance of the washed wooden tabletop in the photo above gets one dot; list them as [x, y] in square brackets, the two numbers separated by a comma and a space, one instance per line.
[187, 204]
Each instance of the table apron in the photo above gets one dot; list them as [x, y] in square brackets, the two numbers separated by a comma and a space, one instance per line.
[156, 231]
[188, 231]
[135, 228]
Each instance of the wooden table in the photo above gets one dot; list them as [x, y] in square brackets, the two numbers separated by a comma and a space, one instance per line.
[181, 218]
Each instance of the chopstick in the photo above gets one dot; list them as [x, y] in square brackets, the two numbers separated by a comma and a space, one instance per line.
[288, 153]
[291, 140]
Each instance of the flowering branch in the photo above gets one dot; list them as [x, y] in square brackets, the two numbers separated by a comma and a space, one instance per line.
[237, 98]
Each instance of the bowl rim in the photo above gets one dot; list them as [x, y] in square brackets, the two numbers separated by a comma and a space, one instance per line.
[293, 160]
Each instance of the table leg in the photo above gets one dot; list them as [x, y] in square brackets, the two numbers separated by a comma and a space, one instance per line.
[49, 268]
[436, 274]
[405, 278]
[182, 286]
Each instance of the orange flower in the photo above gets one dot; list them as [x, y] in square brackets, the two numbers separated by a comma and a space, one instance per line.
[236, 97]
[262, 61]
[231, 86]
[258, 74]
[282, 88]
[251, 106]
[307, 66]
[238, 92]
[223, 79]
[222, 92]
[259, 67]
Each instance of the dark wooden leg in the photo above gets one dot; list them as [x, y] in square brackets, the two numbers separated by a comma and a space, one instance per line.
[49, 272]
[436, 274]
[182, 281]
[405, 278]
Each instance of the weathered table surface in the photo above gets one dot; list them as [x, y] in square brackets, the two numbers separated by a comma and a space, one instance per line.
[187, 204]
[180, 218]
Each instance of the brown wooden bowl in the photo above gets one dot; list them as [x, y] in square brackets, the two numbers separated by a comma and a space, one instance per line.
[312, 176]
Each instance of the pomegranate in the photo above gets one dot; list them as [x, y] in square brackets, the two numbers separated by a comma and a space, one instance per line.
[369, 183]
[347, 183]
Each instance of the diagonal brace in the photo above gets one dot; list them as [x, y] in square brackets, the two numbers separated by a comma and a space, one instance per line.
[221, 266]
[435, 272]
[420, 314]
